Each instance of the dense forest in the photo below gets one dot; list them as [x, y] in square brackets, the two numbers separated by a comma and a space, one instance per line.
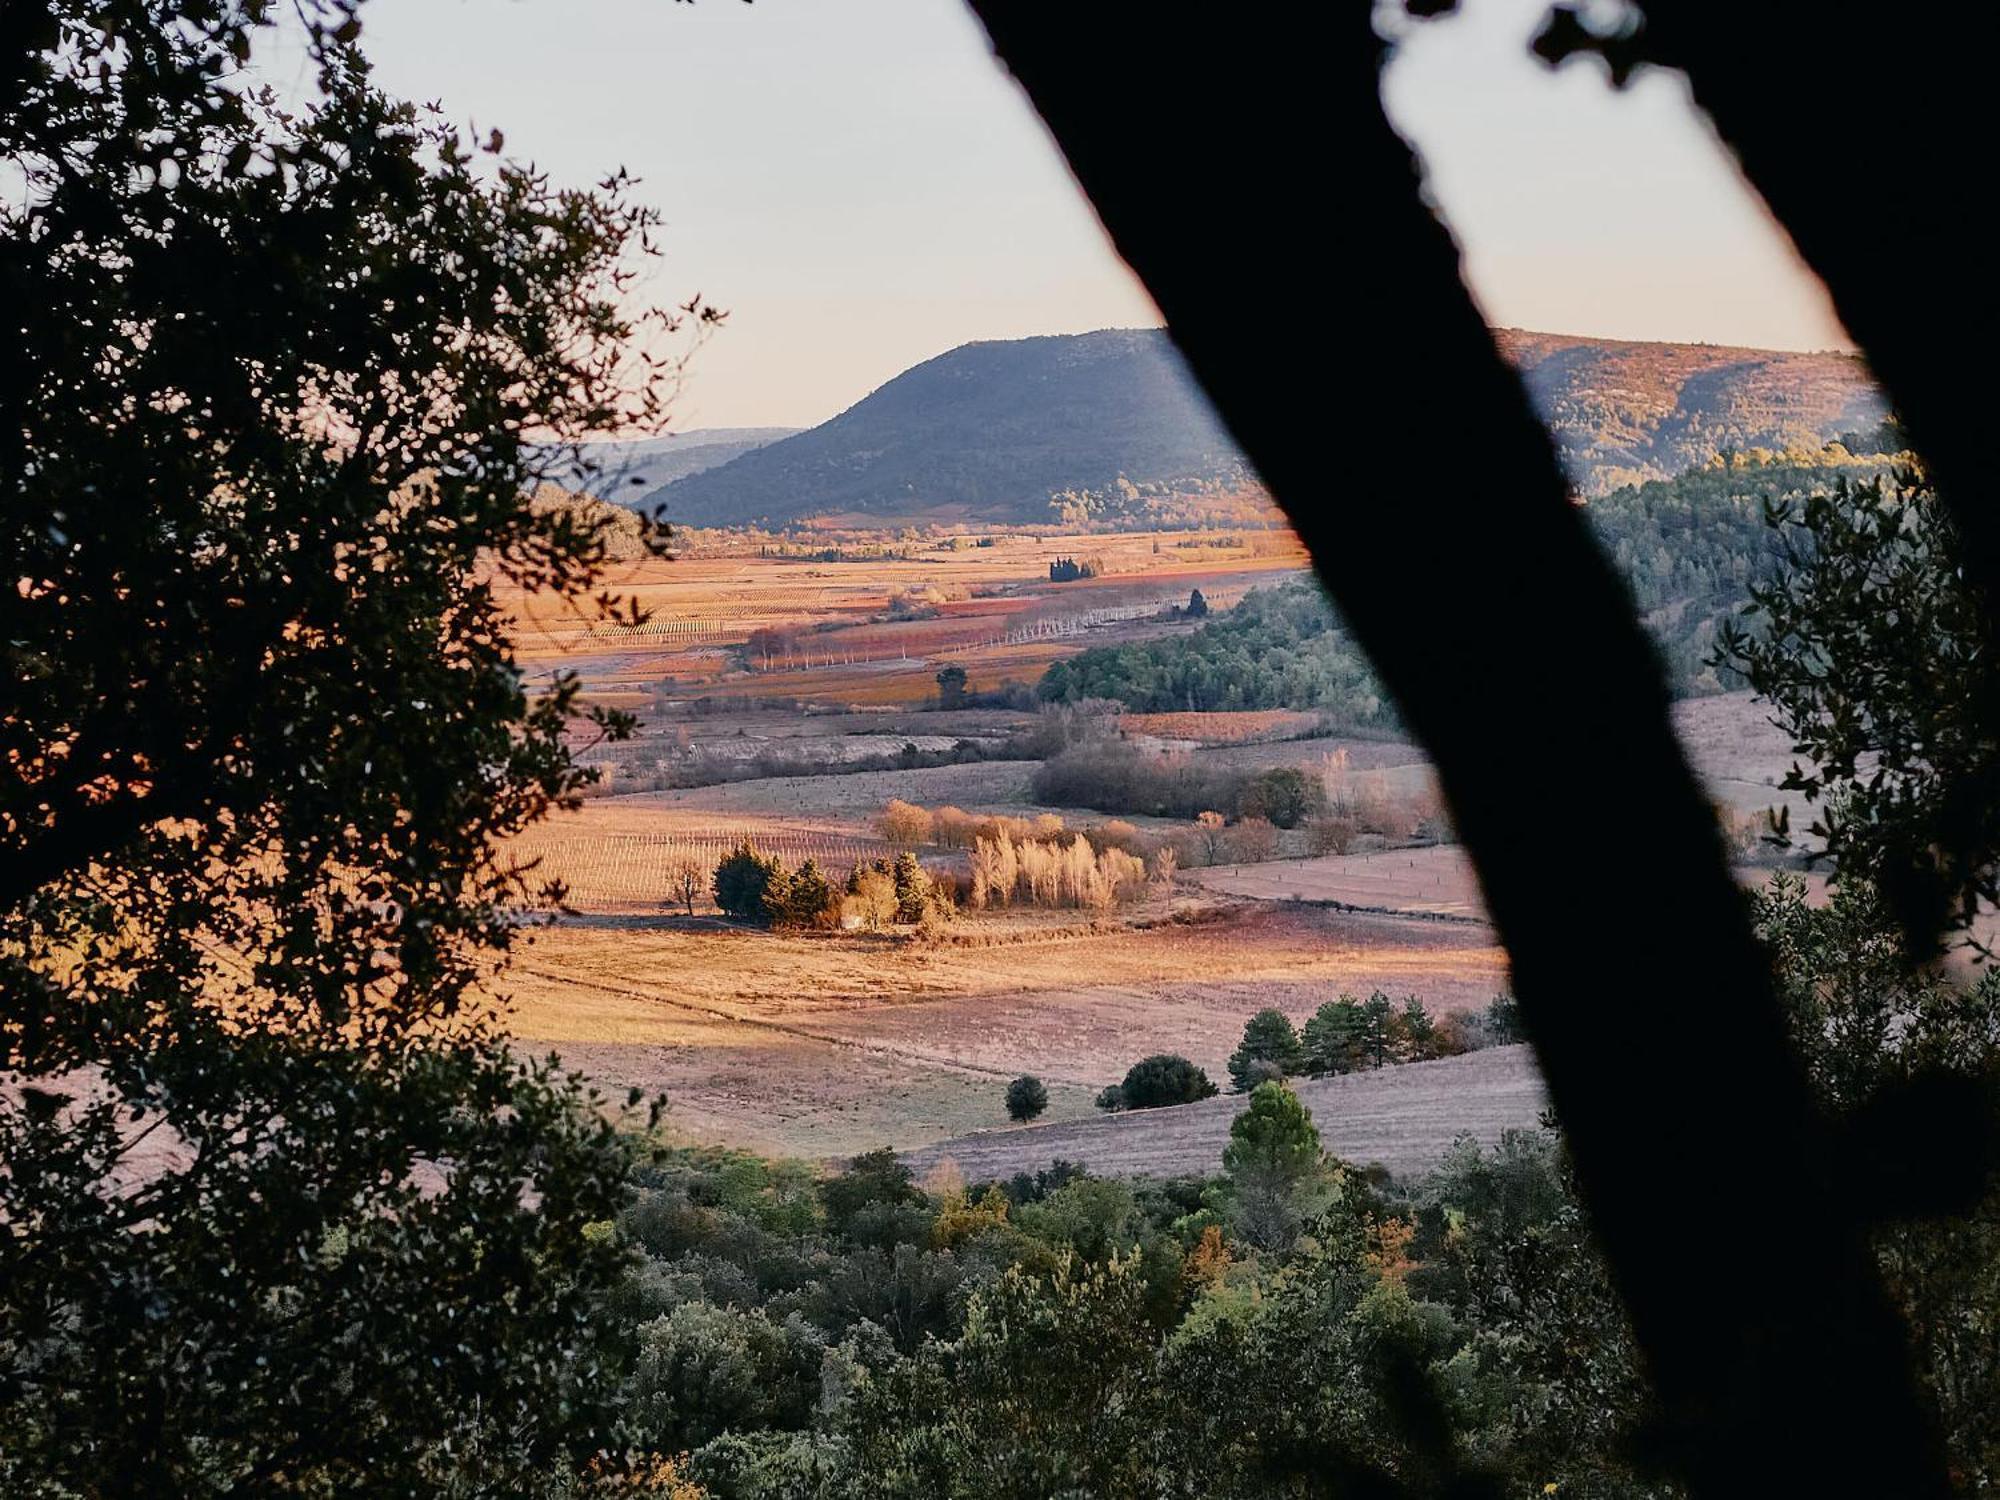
[1062, 1334]
[1690, 549]
[1279, 648]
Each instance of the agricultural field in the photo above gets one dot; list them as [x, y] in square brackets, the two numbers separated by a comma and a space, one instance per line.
[620, 859]
[1246, 727]
[1401, 1118]
[1437, 881]
[787, 700]
[858, 620]
[823, 1044]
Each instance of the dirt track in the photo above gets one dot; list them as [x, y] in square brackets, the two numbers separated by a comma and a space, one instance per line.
[1404, 1118]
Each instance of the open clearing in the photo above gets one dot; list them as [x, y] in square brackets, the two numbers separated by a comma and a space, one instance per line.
[827, 1044]
[1435, 882]
[1404, 1118]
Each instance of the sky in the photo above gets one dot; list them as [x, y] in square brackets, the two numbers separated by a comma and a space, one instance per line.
[861, 186]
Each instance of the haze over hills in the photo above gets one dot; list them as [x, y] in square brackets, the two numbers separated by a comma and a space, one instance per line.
[989, 431]
[633, 469]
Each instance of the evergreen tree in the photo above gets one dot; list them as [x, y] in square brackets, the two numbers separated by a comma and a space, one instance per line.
[913, 888]
[1274, 1162]
[1026, 1098]
[951, 686]
[1164, 1078]
[810, 897]
[1334, 1039]
[743, 878]
[1270, 1048]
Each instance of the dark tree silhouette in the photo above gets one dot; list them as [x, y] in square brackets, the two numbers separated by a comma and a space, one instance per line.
[1027, 1097]
[281, 1212]
[1761, 1389]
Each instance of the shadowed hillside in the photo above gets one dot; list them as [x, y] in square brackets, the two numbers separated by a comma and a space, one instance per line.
[989, 429]
[1623, 413]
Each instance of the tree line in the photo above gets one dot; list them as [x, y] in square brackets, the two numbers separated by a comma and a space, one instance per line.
[1691, 548]
[1279, 648]
[759, 888]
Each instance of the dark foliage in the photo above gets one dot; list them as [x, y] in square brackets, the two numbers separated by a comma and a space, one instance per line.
[1270, 1049]
[1873, 652]
[1068, 1334]
[1113, 776]
[282, 1215]
[1027, 1097]
[1164, 1078]
[1285, 795]
[1279, 648]
[749, 886]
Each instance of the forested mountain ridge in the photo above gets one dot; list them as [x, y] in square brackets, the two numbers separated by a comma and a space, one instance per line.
[1625, 412]
[992, 429]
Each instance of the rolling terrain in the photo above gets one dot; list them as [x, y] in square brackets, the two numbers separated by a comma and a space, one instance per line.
[990, 431]
[1625, 412]
[1403, 1118]
[629, 470]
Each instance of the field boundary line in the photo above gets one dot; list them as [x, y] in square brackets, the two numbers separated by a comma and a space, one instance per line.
[782, 1028]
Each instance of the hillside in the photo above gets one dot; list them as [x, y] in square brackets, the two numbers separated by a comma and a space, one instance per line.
[1623, 412]
[987, 430]
[1405, 1118]
[990, 431]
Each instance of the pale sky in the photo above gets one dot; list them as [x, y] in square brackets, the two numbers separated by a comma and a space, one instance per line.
[862, 188]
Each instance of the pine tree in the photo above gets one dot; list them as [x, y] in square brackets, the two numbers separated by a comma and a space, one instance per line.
[1270, 1049]
[913, 888]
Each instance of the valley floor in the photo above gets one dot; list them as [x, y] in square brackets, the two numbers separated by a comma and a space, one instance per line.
[826, 1044]
[822, 1045]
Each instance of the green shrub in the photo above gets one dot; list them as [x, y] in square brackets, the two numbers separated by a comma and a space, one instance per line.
[1286, 795]
[805, 898]
[1162, 1079]
[1026, 1097]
